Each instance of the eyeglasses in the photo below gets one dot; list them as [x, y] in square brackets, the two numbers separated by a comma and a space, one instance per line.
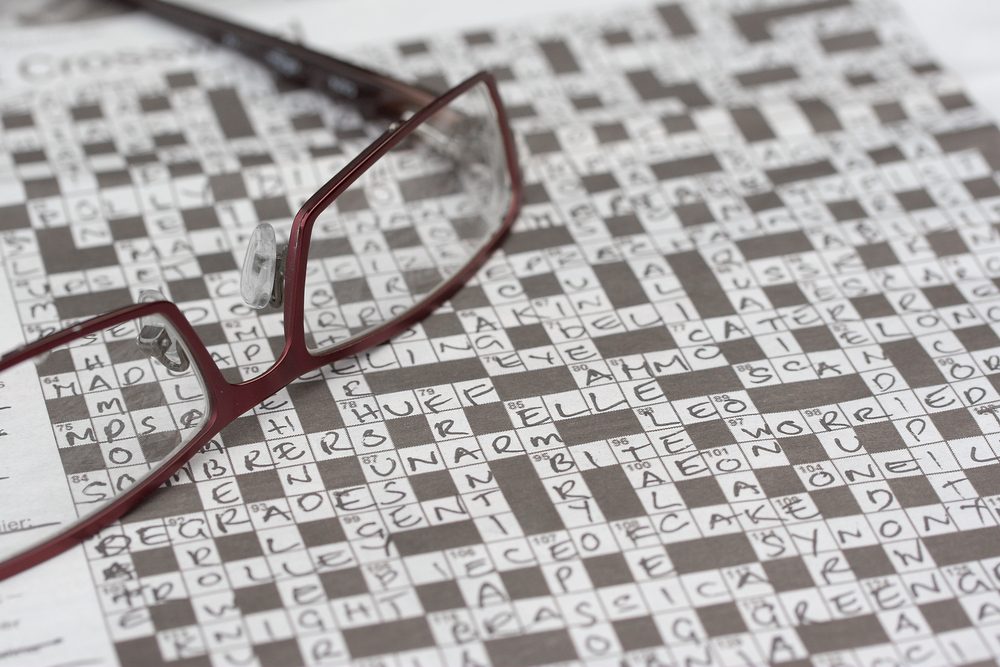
[127, 397]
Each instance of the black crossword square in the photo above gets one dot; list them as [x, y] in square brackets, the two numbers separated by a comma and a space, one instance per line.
[975, 338]
[307, 121]
[227, 186]
[211, 334]
[779, 481]
[638, 633]
[915, 200]
[200, 218]
[406, 237]
[242, 431]
[57, 362]
[279, 653]
[313, 403]
[954, 424]
[124, 229]
[542, 142]
[14, 216]
[803, 449]
[608, 570]
[341, 473]
[86, 112]
[610, 132]
[67, 409]
[585, 102]
[343, 583]
[701, 492]
[238, 546]
[709, 434]
[217, 262]
[741, 351]
[599, 183]
[144, 396]
[99, 148]
[322, 531]
[886, 155]
[788, 574]
[15, 120]
[721, 619]
[763, 201]
[624, 225]
[488, 418]
[835, 502]
[955, 101]
[950, 242]
[534, 193]
[410, 431]
[352, 290]
[433, 485]
[540, 286]
[169, 140]
[848, 209]
[913, 491]
[679, 123]
[694, 214]
[943, 296]
[188, 289]
[125, 351]
[879, 437]
[815, 339]
[81, 459]
[154, 561]
[181, 80]
[527, 336]
[945, 615]
[440, 596]
[172, 614]
[469, 296]
[260, 597]
[38, 188]
[255, 159]
[151, 103]
[877, 255]
[260, 486]
[872, 305]
[275, 208]
[157, 447]
[785, 295]
[525, 582]
[985, 480]
[869, 561]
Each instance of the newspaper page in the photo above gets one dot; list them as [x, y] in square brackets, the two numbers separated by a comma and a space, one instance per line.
[727, 395]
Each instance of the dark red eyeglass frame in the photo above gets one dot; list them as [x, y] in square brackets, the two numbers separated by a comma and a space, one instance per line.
[378, 95]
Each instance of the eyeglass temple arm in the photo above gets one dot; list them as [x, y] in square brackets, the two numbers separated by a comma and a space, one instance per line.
[374, 93]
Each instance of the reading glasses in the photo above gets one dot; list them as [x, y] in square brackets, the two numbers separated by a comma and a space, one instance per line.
[105, 411]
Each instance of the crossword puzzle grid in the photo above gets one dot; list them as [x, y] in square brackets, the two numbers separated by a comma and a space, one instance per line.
[727, 396]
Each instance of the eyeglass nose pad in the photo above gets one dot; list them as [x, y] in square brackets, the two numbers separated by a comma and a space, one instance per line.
[263, 278]
[154, 340]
